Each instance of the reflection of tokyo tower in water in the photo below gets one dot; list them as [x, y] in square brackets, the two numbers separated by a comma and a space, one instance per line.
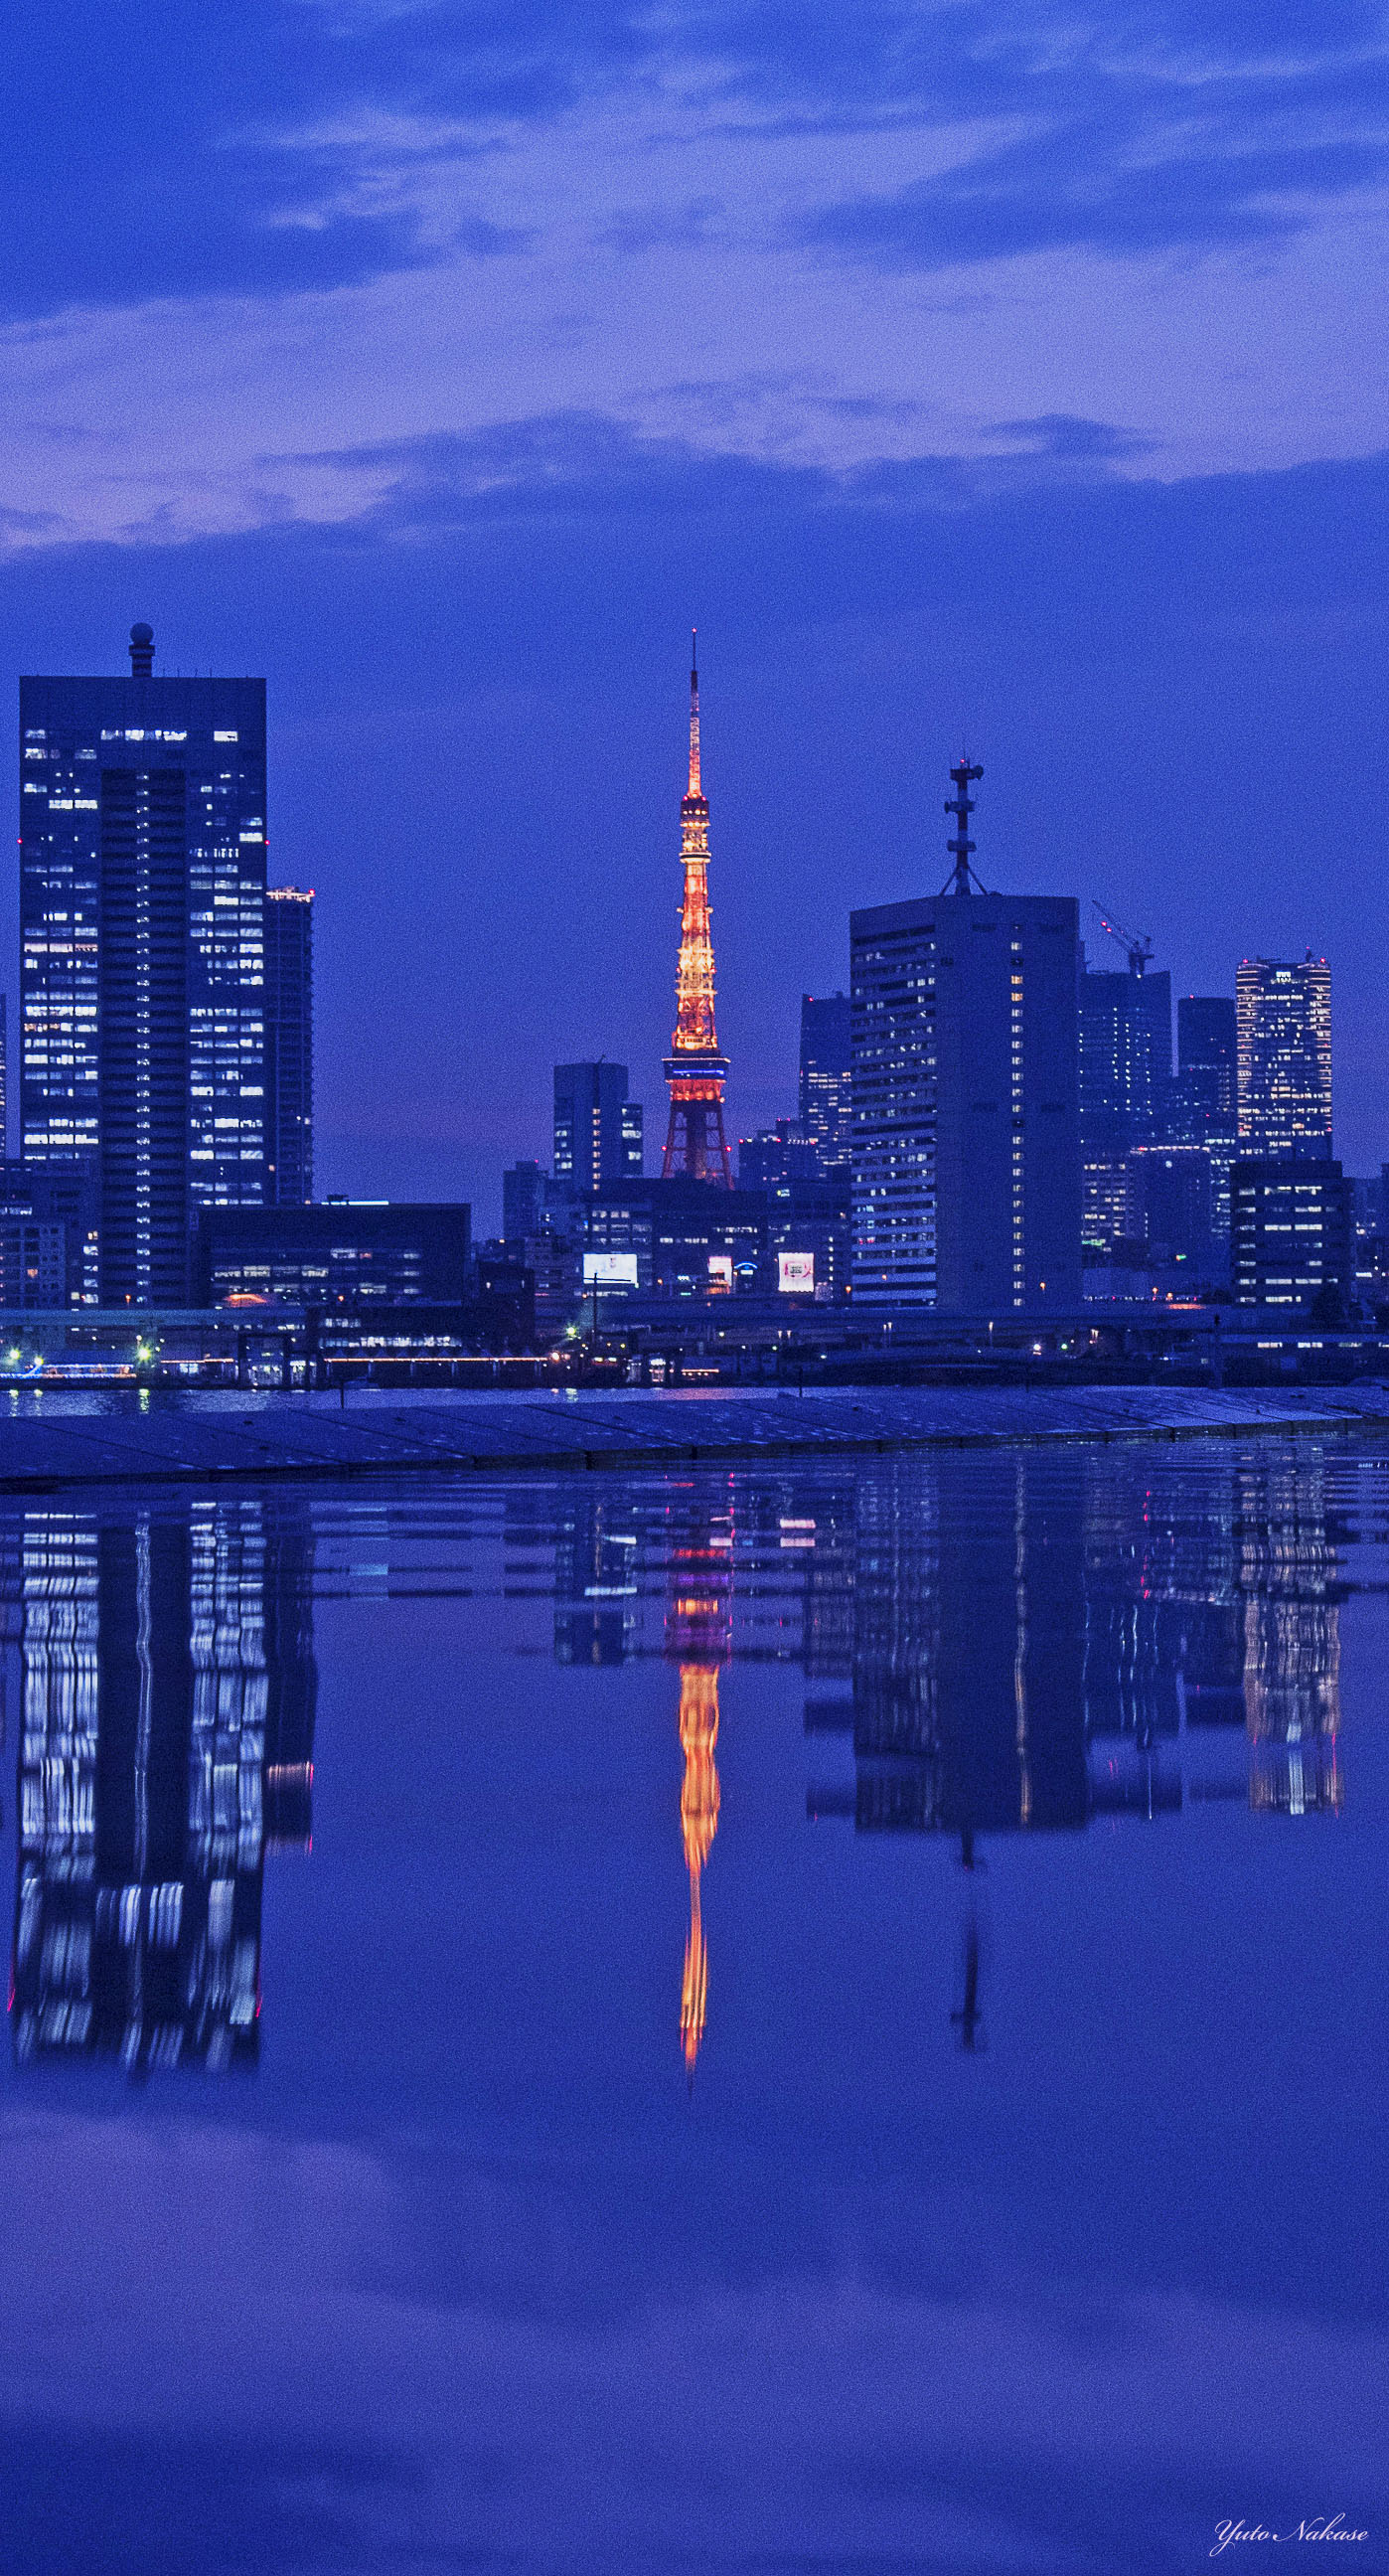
[696, 1146]
[697, 1635]
[699, 1822]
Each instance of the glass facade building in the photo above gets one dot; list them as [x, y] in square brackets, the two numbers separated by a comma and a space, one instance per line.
[1283, 1014]
[288, 1046]
[142, 924]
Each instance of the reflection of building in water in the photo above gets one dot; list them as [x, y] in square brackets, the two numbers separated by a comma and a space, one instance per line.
[1164, 1633]
[1292, 1640]
[1212, 1652]
[699, 1822]
[966, 1714]
[596, 1556]
[166, 1742]
[698, 1627]
[1036, 1640]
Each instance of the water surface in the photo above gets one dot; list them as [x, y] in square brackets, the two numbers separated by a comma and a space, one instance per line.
[826, 2019]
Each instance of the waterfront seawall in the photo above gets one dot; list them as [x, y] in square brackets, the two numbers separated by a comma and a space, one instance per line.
[315, 1438]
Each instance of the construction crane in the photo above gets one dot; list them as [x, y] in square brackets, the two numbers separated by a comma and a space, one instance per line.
[1138, 946]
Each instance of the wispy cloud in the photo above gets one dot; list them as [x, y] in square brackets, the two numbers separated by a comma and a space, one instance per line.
[265, 146]
[1118, 185]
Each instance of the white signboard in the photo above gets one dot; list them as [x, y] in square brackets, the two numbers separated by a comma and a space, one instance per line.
[796, 1274]
[720, 1270]
[610, 1270]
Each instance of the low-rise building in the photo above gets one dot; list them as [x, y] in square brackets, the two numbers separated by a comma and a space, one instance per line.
[337, 1254]
[1291, 1237]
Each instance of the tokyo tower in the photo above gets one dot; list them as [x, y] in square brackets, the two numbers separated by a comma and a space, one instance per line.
[695, 1142]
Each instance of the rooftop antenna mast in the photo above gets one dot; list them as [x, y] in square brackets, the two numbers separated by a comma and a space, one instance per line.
[1136, 944]
[962, 879]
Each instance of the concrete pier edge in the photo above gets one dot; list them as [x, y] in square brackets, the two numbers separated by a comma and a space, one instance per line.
[549, 1436]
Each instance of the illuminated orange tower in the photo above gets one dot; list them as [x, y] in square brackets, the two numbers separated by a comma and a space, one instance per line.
[695, 1142]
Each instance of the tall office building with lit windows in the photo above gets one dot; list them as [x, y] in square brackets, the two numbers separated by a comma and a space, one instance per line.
[288, 1046]
[1283, 1020]
[142, 905]
[1125, 1080]
[598, 1130]
[825, 1106]
[966, 1090]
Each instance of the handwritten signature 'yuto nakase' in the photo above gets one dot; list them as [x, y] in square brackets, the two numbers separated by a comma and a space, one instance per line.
[1326, 2526]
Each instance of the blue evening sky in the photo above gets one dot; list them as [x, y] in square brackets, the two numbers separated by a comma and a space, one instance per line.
[1011, 371]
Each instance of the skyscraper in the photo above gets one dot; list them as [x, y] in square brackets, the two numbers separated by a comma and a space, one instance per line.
[525, 1200]
[598, 1130]
[288, 1046]
[1284, 1035]
[1207, 1063]
[142, 905]
[825, 1108]
[1205, 1107]
[966, 1181]
[1125, 1074]
[695, 1142]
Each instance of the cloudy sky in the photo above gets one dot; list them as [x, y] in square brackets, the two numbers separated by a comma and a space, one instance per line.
[1011, 372]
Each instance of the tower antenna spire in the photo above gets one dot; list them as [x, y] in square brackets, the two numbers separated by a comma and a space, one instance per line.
[962, 878]
[696, 1146]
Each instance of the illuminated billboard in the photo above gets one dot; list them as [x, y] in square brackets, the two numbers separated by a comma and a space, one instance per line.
[796, 1274]
[720, 1272]
[610, 1270]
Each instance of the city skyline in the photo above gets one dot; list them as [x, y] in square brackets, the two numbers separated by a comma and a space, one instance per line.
[431, 1013]
[446, 375]
[769, 1092]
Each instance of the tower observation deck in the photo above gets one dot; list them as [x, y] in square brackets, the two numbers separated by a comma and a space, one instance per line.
[696, 1146]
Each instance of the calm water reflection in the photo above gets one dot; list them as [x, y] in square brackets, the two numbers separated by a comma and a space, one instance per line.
[953, 2138]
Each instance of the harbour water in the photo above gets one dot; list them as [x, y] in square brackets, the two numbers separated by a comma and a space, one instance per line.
[790, 2017]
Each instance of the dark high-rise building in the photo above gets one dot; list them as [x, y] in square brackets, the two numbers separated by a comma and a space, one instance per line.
[1207, 1063]
[1125, 1075]
[825, 1108]
[598, 1130]
[1284, 1063]
[966, 1171]
[525, 1201]
[1205, 1104]
[288, 1046]
[142, 920]
[4, 1074]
